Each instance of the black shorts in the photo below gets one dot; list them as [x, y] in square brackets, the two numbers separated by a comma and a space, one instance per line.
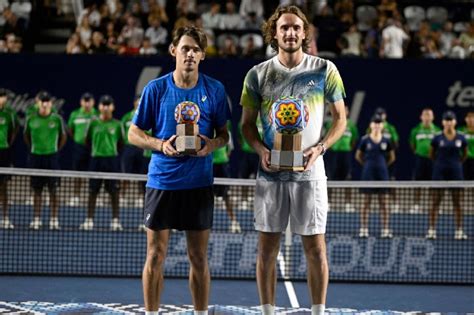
[248, 165]
[81, 156]
[468, 167]
[46, 162]
[5, 161]
[222, 171]
[104, 164]
[132, 160]
[189, 209]
[423, 168]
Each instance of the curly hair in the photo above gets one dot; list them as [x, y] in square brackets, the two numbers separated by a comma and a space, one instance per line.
[192, 31]
[269, 27]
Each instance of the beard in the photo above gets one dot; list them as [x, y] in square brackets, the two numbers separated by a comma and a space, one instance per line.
[292, 48]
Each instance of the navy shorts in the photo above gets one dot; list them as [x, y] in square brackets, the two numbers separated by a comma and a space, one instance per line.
[81, 156]
[371, 173]
[248, 165]
[469, 169]
[104, 164]
[188, 209]
[339, 165]
[132, 160]
[46, 162]
[223, 171]
[5, 161]
[423, 168]
[441, 172]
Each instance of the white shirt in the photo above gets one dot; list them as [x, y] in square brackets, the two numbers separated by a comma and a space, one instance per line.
[393, 37]
[157, 36]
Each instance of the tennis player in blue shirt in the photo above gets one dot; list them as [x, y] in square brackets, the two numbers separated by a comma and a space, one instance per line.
[448, 152]
[179, 188]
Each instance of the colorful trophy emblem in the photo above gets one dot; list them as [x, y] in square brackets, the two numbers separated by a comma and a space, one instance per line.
[289, 116]
[187, 115]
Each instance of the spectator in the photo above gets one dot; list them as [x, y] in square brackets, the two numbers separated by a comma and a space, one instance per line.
[388, 8]
[74, 45]
[468, 131]
[251, 6]
[250, 49]
[467, 38]
[252, 22]
[229, 48]
[371, 41]
[212, 18]
[231, 20]
[156, 33]
[98, 44]
[375, 153]
[430, 49]
[85, 31]
[420, 143]
[446, 38]
[329, 30]
[339, 159]
[352, 39]
[220, 161]
[78, 123]
[105, 136]
[9, 125]
[45, 135]
[13, 24]
[131, 36]
[147, 48]
[457, 50]
[448, 152]
[344, 11]
[393, 40]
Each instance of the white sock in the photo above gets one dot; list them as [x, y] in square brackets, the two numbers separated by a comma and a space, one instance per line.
[318, 309]
[200, 312]
[268, 309]
[151, 312]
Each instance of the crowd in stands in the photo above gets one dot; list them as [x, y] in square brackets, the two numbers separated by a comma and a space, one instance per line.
[14, 22]
[380, 29]
[346, 28]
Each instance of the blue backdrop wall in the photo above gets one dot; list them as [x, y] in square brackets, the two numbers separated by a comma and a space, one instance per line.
[403, 87]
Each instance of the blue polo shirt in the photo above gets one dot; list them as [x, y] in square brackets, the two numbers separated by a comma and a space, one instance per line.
[156, 112]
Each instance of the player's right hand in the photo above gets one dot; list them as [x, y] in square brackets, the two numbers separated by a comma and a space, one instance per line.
[265, 160]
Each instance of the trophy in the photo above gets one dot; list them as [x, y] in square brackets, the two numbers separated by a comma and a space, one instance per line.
[289, 116]
[187, 115]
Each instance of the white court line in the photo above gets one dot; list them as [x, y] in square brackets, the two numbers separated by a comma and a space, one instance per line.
[290, 290]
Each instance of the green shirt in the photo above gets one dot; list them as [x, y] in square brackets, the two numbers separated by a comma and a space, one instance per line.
[348, 138]
[146, 153]
[420, 139]
[8, 123]
[105, 136]
[126, 122]
[221, 155]
[33, 109]
[470, 141]
[44, 132]
[244, 145]
[79, 121]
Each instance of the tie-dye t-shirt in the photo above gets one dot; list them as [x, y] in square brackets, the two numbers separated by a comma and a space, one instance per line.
[314, 81]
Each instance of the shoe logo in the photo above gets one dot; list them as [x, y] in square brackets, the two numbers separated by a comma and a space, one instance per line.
[147, 216]
[204, 98]
[311, 83]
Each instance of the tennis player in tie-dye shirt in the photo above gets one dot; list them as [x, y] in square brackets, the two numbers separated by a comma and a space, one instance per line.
[302, 196]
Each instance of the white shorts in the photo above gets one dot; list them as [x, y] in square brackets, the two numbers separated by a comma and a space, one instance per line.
[305, 202]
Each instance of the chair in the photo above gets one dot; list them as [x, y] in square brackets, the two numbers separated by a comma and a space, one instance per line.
[414, 15]
[365, 15]
[437, 14]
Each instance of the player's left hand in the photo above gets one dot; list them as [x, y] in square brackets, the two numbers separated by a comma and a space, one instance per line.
[310, 155]
[208, 147]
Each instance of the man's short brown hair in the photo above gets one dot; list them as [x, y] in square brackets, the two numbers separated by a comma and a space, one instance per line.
[269, 27]
[196, 33]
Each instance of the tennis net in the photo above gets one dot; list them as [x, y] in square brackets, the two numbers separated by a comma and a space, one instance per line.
[405, 254]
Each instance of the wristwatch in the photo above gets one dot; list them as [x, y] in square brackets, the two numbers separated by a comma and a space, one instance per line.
[323, 146]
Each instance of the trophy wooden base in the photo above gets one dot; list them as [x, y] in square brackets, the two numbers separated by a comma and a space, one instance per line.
[287, 154]
[187, 142]
[287, 160]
